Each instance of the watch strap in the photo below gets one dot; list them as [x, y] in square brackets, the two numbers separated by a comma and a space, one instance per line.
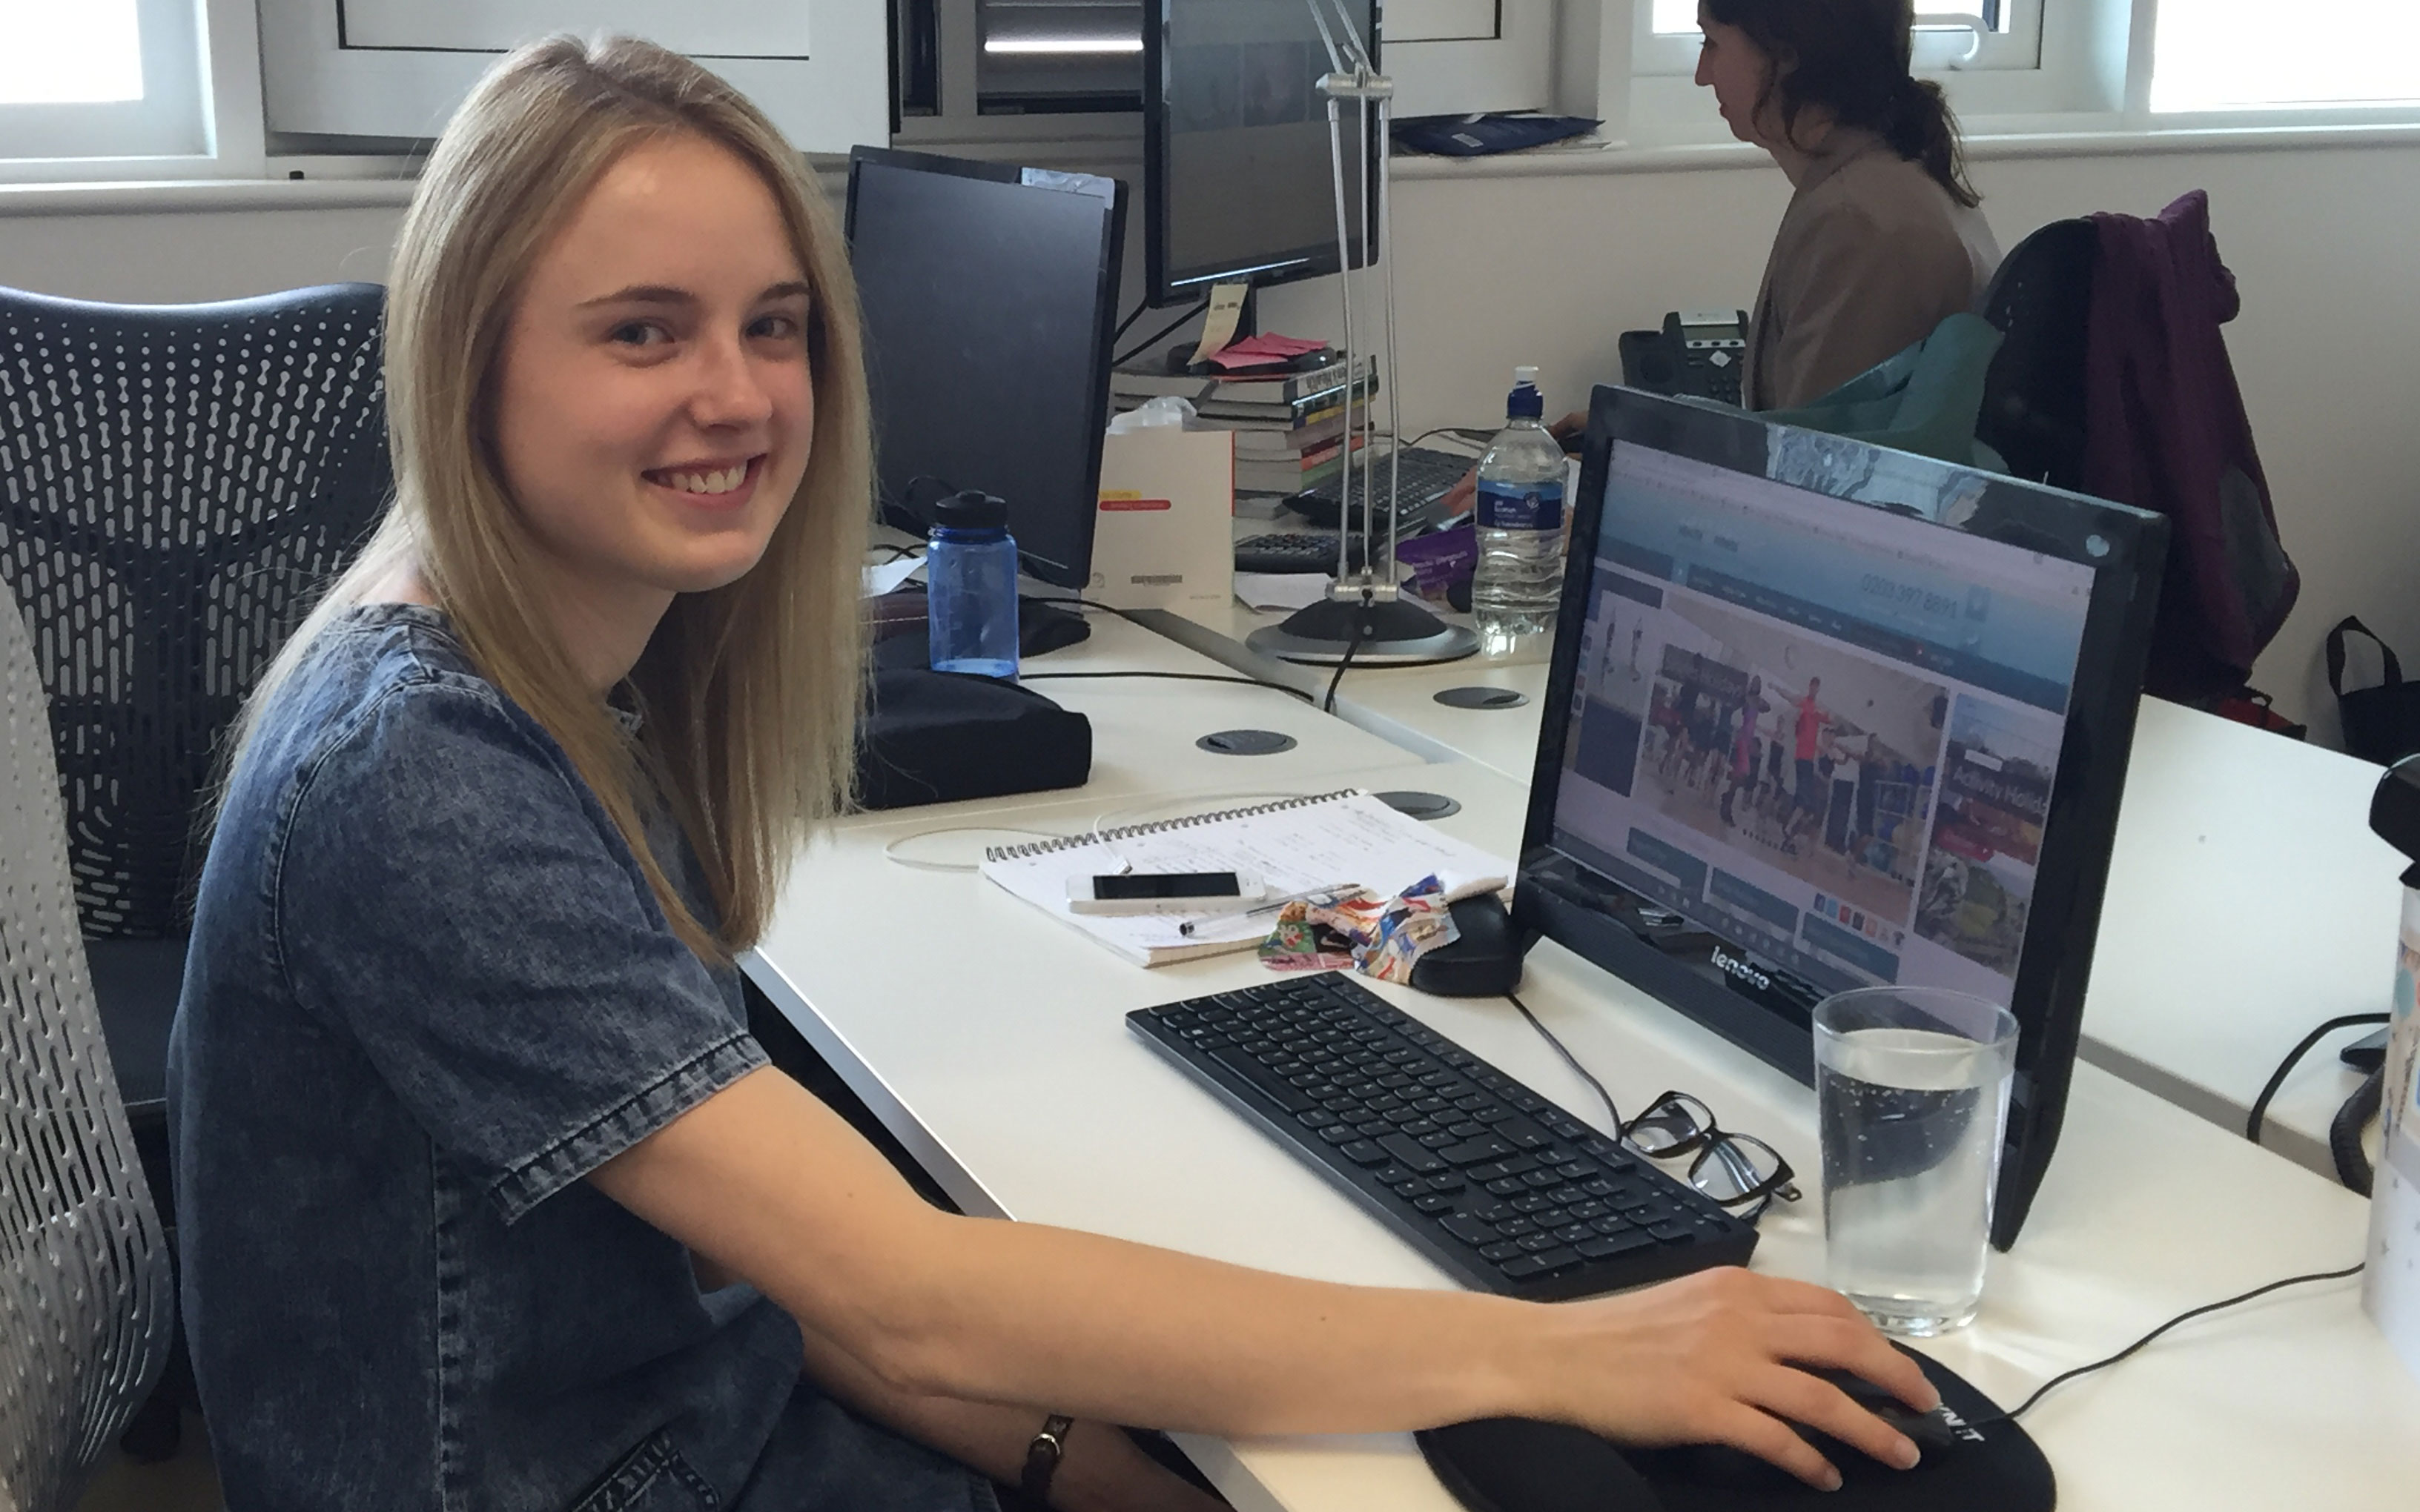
[1042, 1458]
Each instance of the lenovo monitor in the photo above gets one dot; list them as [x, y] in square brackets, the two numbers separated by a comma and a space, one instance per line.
[989, 293]
[1825, 715]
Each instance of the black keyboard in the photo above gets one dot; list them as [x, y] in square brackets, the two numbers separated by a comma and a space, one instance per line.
[1502, 1188]
[1424, 476]
[1293, 551]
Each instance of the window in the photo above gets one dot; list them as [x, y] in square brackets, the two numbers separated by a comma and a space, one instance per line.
[99, 79]
[2029, 64]
[2259, 54]
[1986, 34]
[396, 69]
[1450, 56]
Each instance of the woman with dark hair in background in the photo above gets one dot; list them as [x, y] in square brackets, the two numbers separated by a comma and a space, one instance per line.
[1881, 241]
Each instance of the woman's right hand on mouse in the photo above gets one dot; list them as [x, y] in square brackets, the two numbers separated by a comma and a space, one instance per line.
[1716, 1358]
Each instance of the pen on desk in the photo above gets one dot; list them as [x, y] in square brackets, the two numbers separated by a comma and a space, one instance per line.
[1329, 893]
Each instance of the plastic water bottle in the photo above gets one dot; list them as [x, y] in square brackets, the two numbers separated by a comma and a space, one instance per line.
[970, 587]
[1518, 583]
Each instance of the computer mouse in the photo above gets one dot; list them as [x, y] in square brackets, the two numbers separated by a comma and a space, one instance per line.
[1975, 1460]
[1929, 1430]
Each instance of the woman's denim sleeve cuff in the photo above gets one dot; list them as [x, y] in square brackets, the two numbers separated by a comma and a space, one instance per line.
[584, 1150]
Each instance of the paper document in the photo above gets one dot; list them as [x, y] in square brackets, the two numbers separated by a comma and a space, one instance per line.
[1294, 846]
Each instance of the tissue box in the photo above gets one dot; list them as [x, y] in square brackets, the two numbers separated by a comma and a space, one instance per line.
[1165, 534]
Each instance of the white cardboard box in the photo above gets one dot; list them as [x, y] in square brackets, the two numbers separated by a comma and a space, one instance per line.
[1164, 538]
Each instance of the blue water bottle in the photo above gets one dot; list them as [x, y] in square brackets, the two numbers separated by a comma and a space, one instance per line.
[970, 587]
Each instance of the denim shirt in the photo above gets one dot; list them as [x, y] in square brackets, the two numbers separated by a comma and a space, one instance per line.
[428, 991]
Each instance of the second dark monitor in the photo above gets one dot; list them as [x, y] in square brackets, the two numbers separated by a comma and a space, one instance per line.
[988, 293]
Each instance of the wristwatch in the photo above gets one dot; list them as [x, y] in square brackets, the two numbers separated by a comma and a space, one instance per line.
[1042, 1458]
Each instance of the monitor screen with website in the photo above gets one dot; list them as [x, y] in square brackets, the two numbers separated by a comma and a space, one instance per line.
[1239, 180]
[1826, 715]
[988, 293]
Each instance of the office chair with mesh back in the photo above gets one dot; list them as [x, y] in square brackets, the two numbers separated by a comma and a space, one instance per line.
[2040, 301]
[86, 1315]
[176, 484]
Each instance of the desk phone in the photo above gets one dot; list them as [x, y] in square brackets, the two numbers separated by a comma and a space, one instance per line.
[1699, 352]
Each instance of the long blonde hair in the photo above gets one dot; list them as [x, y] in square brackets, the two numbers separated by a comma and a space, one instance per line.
[749, 692]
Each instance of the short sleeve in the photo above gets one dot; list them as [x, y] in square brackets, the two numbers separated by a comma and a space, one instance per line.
[1859, 292]
[449, 894]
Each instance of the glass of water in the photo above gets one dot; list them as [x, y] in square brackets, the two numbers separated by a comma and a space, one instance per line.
[1911, 1095]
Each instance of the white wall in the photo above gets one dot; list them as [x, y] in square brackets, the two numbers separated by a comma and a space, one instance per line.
[170, 257]
[1494, 270]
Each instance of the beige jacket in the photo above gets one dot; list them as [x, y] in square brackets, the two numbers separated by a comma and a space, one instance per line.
[1872, 255]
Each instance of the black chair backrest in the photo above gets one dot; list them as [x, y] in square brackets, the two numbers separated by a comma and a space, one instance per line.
[178, 482]
[2040, 301]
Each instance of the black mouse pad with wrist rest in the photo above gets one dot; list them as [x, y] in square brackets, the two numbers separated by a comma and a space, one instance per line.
[1975, 1460]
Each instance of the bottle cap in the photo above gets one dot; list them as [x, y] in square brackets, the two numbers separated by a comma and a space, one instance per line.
[1524, 402]
[972, 510]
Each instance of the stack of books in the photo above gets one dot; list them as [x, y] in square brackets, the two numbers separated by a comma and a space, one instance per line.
[1290, 428]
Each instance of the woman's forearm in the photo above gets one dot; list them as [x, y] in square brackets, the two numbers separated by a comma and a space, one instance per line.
[1028, 1313]
[768, 1182]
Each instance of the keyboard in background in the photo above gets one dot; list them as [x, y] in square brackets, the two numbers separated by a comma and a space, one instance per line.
[1295, 551]
[1506, 1191]
[1427, 476]
[1424, 476]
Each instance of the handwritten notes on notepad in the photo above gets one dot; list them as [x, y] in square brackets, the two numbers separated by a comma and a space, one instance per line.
[1295, 845]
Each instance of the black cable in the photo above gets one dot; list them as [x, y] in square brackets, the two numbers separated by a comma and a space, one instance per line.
[1147, 343]
[1077, 601]
[1133, 316]
[2261, 1103]
[1182, 677]
[1360, 632]
[2344, 1133]
[2063, 1377]
[1462, 431]
[1081, 602]
[1570, 1060]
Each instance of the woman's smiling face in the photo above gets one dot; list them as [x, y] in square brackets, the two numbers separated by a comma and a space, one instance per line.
[653, 403]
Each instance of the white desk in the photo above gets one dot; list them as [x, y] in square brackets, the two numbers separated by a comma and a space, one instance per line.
[1396, 702]
[1003, 1061]
[2248, 904]
[2248, 901]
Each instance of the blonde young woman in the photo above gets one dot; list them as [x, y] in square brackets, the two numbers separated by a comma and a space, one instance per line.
[488, 1201]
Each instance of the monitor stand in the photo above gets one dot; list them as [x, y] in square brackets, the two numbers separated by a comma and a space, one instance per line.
[1379, 630]
[1042, 628]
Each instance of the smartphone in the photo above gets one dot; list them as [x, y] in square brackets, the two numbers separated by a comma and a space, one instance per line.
[1163, 892]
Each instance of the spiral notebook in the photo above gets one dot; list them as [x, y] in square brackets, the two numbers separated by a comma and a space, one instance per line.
[1295, 844]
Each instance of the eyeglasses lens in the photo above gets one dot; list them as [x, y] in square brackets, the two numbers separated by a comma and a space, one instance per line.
[1727, 1171]
[1676, 1123]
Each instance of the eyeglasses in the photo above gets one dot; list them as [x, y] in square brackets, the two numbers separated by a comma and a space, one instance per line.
[1735, 1170]
[1738, 1171]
